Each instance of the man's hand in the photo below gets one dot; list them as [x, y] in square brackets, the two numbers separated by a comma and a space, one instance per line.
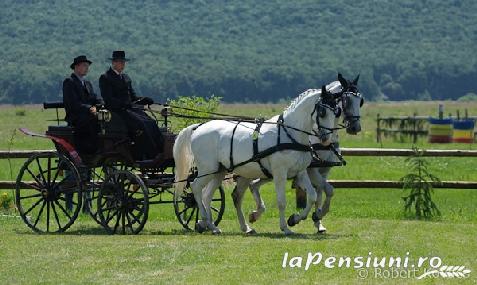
[92, 109]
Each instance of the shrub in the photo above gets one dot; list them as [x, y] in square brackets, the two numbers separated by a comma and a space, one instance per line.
[419, 181]
[210, 104]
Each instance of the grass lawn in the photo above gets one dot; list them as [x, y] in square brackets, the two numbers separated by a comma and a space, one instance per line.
[361, 221]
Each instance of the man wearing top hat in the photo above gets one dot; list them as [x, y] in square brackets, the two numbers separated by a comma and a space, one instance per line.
[120, 98]
[80, 103]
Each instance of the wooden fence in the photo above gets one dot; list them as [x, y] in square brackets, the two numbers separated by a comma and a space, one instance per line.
[405, 127]
[16, 154]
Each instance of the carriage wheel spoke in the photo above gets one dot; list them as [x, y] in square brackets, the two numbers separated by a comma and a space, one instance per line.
[33, 206]
[47, 216]
[63, 209]
[56, 215]
[35, 178]
[41, 170]
[111, 217]
[196, 215]
[31, 196]
[185, 209]
[215, 209]
[191, 215]
[118, 216]
[49, 171]
[135, 218]
[72, 202]
[39, 214]
[56, 176]
[129, 222]
[31, 186]
[123, 222]
[109, 209]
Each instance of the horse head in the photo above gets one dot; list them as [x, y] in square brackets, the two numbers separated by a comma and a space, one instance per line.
[352, 101]
[326, 112]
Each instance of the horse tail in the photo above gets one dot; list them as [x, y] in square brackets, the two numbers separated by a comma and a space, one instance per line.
[183, 157]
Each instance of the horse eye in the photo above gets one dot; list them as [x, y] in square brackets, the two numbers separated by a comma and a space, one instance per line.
[322, 112]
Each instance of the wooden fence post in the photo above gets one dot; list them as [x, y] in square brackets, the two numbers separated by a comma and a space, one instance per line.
[378, 130]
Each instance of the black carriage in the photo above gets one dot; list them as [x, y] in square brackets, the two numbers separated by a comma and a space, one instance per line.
[52, 188]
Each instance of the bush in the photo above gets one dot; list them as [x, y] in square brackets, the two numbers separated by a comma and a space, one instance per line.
[20, 112]
[210, 104]
[6, 203]
[419, 182]
[468, 97]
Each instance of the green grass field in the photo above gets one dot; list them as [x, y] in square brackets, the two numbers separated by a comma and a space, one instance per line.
[360, 221]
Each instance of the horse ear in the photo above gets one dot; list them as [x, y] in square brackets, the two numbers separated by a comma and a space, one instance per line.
[355, 81]
[343, 82]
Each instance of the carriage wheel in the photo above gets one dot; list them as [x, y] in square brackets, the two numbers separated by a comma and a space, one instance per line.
[98, 176]
[92, 192]
[123, 203]
[48, 192]
[187, 211]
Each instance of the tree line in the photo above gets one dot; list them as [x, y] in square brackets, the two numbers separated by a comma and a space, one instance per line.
[243, 51]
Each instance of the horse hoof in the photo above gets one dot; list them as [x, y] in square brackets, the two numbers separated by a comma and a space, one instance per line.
[293, 220]
[216, 231]
[251, 232]
[321, 229]
[200, 228]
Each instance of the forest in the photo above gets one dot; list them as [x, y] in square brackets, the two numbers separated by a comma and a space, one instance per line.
[243, 51]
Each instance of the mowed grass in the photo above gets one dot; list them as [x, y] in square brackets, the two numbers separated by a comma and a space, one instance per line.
[360, 221]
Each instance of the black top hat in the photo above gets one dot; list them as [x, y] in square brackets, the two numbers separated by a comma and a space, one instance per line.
[119, 55]
[79, 59]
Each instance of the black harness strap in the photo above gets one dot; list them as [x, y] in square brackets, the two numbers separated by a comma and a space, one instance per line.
[256, 154]
[318, 162]
[232, 147]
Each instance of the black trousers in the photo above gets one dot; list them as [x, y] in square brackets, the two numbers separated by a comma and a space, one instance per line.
[145, 133]
[86, 134]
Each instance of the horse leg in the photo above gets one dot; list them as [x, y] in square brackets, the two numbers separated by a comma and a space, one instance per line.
[255, 189]
[208, 194]
[197, 186]
[303, 181]
[237, 197]
[280, 180]
[318, 177]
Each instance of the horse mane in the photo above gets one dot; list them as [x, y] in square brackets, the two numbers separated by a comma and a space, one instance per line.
[300, 98]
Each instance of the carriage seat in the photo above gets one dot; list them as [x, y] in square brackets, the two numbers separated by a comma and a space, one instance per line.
[60, 130]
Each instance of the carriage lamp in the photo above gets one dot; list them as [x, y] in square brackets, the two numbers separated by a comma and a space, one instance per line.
[104, 115]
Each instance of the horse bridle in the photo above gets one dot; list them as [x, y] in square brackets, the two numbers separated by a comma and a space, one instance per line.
[320, 109]
[345, 100]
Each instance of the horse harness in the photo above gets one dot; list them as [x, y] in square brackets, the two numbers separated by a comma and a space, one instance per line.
[318, 162]
[259, 155]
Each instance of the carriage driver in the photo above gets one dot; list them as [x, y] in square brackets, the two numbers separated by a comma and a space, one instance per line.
[120, 98]
[80, 103]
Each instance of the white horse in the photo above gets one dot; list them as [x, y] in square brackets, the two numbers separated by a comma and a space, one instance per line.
[218, 147]
[347, 95]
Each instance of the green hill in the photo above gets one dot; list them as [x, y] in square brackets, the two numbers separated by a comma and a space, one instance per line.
[243, 50]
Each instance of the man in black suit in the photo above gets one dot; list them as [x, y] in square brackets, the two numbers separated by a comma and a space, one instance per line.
[80, 105]
[120, 98]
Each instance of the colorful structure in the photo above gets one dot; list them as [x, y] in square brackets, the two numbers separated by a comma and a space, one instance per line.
[440, 130]
[463, 131]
